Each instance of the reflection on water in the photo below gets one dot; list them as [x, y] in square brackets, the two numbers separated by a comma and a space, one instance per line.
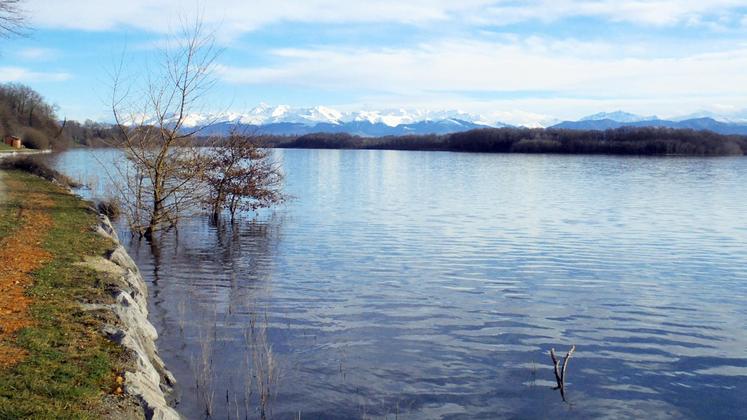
[428, 285]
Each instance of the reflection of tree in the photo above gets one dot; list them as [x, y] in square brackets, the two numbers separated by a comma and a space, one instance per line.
[216, 277]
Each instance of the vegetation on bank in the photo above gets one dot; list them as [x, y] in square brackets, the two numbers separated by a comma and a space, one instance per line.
[26, 114]
[65, 367]
[622, 141]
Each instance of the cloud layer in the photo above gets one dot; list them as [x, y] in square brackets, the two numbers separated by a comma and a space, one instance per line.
[531, 67]
[514, 60]
[238, 16]
[24, 75]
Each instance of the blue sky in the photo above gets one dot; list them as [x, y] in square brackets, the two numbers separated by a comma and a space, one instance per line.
[514, 61]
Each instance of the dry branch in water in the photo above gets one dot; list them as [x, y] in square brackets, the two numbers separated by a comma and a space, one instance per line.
[560, 369]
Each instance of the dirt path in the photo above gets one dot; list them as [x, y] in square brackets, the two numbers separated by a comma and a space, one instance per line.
[20, 254]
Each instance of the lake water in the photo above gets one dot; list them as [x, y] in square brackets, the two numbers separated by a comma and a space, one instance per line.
[433, 285]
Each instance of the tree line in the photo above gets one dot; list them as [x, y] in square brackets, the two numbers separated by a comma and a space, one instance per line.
[25, 113]
[645, 141]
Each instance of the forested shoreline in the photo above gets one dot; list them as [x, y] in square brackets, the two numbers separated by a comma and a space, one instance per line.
[623, 141]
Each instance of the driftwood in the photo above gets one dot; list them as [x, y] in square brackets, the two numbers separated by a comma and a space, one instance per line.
[560, 369]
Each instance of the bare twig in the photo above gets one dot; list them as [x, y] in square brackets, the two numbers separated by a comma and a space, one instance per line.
[560, 369]
[558, 379]
[12, 18]
[565, 364]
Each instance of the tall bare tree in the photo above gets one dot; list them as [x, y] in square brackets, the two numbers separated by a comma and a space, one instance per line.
[165, 168]
[12, 19]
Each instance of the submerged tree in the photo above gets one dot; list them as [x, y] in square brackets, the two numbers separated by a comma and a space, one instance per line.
[165, 168]
[241, 176]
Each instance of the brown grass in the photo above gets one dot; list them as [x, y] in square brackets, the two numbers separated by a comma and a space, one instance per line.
[20, 254]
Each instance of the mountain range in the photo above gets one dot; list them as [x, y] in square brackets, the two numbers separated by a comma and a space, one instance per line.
[700, 124]
[285, 120]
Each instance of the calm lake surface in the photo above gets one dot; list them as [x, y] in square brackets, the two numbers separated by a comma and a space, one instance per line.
[433, 285]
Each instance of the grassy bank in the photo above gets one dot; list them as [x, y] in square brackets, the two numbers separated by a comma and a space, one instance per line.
[57, 364]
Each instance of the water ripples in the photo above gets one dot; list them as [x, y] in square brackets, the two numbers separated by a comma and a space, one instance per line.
[433, 285]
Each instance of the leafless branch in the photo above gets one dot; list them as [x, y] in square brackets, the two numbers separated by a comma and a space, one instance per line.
[12, 18]
[560, 369]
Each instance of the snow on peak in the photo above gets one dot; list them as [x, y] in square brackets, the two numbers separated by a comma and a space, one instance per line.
[264, 114]
[619, 116]
[732, 116]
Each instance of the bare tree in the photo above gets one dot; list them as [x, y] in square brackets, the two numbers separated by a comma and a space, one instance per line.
[164, 168]
[12, 19]
[241, 176]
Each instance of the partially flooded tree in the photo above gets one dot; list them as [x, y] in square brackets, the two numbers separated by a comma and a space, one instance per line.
[12, 19]
[165, 168]
[241, 176]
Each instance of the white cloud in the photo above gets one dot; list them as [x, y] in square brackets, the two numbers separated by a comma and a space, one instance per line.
[654, 12]
[237, 16]
[528, 65]
[37, 54]
[233, 17]
[20, 74]
[563, 77]
[566, 78]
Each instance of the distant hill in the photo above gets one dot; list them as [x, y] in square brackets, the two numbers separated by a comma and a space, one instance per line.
[25, 113]
[700, 124]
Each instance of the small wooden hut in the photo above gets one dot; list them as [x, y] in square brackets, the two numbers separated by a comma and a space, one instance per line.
[14, 142]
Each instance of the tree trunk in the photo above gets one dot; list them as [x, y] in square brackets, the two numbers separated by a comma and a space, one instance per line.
[157, 212]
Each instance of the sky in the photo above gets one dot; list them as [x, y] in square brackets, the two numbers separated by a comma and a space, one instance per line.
[512, 61]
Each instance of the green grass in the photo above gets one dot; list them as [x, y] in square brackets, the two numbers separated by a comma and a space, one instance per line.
[70, 367]
[4, 148]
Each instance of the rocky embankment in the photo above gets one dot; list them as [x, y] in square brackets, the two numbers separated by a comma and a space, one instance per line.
[147, 379]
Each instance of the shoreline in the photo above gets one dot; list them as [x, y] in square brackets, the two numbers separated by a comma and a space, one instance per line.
[77, 340]
[151, 381]
[23, 152]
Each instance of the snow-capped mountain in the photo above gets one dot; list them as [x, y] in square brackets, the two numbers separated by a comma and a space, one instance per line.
[265, 114]
[619, 116]
[732, 116]
[286, 120]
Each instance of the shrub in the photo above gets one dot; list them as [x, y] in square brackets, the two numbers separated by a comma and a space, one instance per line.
[35, 139]
[110, 208]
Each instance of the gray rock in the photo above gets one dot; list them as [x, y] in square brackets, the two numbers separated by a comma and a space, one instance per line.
[147, 380]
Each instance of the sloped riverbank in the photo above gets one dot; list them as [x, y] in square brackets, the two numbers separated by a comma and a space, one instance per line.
[77, 327]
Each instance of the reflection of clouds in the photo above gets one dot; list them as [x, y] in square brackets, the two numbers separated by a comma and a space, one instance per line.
[215, 279]
[433, 281]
